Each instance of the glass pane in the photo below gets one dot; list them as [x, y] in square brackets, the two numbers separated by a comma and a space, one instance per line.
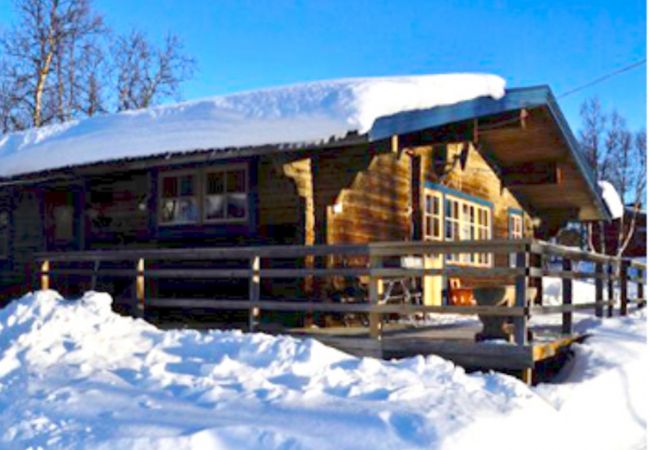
[167, 211]
[436, 206]
[188, 210]
[436, 229]
[214, 207]
[428, 207]
[180, 210]
[215, 183]
[187, 185]
[170, 187]
[429, 229]
[236, 206]
[63, 223]
[236, 181]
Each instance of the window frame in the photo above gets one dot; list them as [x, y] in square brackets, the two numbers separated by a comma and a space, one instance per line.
[200, 194]
[518, 215]
[466, 207]
[426, 215]
[204, 194]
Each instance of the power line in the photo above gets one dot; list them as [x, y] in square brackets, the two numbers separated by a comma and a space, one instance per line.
[603, 78]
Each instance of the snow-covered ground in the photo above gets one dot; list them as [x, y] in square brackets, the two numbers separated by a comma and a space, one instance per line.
[75, 375]
[300, 113]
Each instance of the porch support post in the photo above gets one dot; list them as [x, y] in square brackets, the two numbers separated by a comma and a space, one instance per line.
[599, 290]
[521, 298]
[567, 297]
[640, 294]
[374, 318]
[623, 282]
[254, 294]
[610, 289]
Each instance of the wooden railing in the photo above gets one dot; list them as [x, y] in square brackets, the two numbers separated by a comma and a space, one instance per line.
[534, 260]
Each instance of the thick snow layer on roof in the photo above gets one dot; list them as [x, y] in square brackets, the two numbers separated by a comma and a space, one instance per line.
[302, 113]
[612, 199]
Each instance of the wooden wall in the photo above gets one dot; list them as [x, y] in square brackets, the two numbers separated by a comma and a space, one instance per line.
[112, 213]
[26, 237]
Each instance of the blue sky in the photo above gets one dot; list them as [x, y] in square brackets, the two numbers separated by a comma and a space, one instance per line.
[248, 44]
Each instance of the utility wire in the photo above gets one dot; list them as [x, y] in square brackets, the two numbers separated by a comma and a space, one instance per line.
[603, 78]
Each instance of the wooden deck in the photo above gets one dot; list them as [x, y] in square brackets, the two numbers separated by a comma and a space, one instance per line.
[454, 341]
[381, 336]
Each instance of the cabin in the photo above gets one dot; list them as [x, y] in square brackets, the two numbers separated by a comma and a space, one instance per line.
[491, 164]
[637, 247]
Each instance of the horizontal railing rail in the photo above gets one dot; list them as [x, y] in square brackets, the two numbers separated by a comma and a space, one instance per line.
[534, 260]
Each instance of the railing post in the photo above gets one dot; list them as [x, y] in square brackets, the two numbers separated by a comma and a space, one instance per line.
[567, 297]
[45, 275]
[139, 287]
[640, 294]
[254, 294]
[93, 279]
[610, 289]
[374, 318]
[623, 286]
[521, 298]
[599, 289]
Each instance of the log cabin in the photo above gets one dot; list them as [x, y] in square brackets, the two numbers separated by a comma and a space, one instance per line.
[487, 166]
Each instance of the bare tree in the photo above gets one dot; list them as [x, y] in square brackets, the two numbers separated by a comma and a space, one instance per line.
[46, 39]
[146, 75]
[617, 155]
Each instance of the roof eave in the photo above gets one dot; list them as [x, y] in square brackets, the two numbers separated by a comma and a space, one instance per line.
[528, 97]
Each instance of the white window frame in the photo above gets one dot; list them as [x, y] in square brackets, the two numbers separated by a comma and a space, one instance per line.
[200, 194]
[468, 224]
[515, 231]
[430, 217]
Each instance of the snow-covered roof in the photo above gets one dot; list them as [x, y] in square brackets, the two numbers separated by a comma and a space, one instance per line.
[612, 199]
[302, 113]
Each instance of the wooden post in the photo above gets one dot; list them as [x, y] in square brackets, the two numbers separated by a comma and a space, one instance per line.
[640, 295]
[45, 275]
[375, 319]
[599, 290]
[623, 287]
[254, 295]
[93, 280]
[610, 289]
[139, 286]
[567, 297]
[521, 299]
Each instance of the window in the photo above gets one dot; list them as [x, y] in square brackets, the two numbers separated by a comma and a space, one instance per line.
[515, 231]
[214, 195]
[465, 220]
[4, 234]
[432, 215]
[179, 202]
[226, 197]
[451, 218]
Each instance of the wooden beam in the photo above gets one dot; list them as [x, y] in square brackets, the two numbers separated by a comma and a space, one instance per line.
[531, 173]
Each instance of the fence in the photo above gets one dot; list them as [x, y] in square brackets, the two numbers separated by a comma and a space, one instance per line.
[534, 260]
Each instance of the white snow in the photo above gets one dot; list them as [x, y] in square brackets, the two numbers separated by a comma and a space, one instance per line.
[75, 375]
[612, 199]
[301, 113]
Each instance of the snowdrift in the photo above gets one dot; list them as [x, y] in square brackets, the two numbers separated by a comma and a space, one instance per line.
[75, 375]
[301, 113]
